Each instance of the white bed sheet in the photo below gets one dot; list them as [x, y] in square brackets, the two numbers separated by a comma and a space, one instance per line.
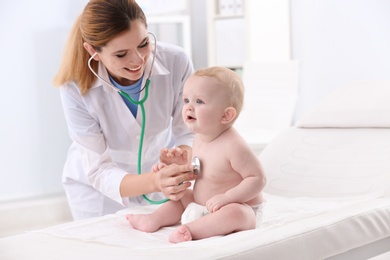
[297, 228]
[115, 230]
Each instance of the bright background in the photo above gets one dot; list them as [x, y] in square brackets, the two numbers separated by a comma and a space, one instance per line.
[290, 54]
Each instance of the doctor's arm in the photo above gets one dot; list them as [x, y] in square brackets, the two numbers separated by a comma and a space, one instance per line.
[94, 158]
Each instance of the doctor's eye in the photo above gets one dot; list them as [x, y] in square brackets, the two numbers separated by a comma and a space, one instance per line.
[144, 44]
[121, 55]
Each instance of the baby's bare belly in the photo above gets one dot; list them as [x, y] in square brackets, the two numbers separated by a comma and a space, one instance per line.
[205, 190]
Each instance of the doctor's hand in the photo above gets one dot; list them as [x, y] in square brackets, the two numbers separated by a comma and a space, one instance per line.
[173, 180]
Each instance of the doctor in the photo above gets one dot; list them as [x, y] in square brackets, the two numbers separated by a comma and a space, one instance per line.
[100, 173]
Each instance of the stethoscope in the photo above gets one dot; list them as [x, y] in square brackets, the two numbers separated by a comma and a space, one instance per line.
[195, 162]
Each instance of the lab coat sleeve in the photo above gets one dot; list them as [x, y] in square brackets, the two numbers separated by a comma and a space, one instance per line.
[183, 136]
[99, 169]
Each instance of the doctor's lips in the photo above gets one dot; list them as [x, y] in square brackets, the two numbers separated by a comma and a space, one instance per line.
[134, 69]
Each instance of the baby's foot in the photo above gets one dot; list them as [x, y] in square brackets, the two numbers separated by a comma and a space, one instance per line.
[181, 234]
[143, 222]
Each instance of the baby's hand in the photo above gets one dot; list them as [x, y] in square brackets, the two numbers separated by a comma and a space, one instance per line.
[217, 202]
[174, 155]
[158, 166]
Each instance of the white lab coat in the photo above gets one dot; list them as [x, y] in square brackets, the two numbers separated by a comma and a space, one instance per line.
[106, 136]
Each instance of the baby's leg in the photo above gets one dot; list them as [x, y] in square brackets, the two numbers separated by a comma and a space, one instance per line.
[166, 215]
[230, 218]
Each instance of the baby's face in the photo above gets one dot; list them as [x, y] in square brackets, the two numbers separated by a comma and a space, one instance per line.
[204, 103]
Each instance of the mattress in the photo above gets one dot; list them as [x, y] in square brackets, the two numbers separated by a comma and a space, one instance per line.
[327, 195]
[332, 163]
[297, 228]
[329, 162]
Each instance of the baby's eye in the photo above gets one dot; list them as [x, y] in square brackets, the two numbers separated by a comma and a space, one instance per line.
[186, 101]
[199, 101]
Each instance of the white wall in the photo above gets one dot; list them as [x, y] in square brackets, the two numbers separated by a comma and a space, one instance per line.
[180, 22]
[34, 137]
[198, 31]
[326, 42]
[268, 29]
[269, 74]
[337, 41]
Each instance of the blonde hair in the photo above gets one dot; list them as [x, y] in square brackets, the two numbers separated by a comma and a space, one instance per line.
[230, 80]
[100, 22]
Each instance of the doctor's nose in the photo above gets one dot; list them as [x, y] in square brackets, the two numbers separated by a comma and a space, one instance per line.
[135, 57]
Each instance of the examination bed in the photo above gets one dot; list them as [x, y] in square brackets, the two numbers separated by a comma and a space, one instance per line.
[328, 197]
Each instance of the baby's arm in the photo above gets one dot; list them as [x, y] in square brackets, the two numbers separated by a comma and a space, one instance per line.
[253, 181]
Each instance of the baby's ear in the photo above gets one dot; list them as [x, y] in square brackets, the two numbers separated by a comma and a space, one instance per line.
[229, 115]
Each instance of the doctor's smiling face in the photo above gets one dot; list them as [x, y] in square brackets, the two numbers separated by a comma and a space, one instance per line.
[125, 56]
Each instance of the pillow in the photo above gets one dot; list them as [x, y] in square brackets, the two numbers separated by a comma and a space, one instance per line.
[358, 104]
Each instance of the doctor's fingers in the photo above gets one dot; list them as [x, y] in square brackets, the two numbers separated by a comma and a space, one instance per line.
[175, 193]
[174, 170]
[175, 181]
[172, 176]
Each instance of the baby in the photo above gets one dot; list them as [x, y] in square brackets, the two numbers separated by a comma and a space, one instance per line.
[227, 193]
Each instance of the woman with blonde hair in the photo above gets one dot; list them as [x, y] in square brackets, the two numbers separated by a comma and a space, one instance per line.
[100, 173]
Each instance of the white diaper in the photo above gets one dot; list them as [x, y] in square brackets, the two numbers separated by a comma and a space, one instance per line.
[258, 209]
[193, 212]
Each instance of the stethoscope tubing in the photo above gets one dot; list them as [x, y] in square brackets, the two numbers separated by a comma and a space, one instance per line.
[141, 104]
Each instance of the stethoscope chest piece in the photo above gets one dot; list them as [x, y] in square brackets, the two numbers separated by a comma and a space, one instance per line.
[196, 164]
